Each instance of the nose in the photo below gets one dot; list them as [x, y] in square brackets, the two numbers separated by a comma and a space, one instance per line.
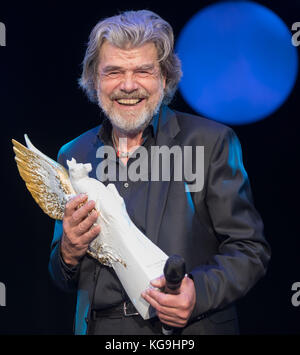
[128, 83]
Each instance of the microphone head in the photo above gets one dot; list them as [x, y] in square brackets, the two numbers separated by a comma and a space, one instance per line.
[174, 269]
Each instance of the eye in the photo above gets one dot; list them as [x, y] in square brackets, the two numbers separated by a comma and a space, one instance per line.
[114, 74]
[143, 73]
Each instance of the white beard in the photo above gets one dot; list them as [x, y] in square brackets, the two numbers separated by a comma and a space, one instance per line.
[134, 124]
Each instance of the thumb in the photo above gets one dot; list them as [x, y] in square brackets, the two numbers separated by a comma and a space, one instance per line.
[159, 282]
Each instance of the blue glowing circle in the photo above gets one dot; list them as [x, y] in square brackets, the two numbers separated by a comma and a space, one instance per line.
[238, 62]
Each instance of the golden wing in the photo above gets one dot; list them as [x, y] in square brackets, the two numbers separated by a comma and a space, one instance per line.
[47, 180]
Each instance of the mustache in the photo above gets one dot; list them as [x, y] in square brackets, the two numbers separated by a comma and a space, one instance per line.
[133, 95]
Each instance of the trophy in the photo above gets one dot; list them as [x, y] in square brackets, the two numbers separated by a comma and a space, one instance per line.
[120, 244]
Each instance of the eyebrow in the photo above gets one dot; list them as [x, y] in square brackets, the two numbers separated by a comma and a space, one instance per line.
[110, 68]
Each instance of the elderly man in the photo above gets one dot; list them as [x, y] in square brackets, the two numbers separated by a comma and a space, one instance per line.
[130, 69]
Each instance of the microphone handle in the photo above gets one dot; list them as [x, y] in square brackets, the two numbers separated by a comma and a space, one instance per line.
[174, 290]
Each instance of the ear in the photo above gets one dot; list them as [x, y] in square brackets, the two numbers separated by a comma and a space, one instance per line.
[71, 163]
[164, 80]
[88, 167]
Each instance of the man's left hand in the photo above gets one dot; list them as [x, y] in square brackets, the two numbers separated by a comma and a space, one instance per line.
[174, 310]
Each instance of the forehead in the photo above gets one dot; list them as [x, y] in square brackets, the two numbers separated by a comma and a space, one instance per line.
[128, 57]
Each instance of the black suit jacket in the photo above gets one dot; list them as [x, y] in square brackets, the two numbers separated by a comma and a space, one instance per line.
[216, 230]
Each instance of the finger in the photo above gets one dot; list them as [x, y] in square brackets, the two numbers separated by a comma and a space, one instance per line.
[80, 214]
[71, 205]
[154, 302]
[150, 300]
[87, 237]
[164, 299]
[160, 282]
[168, 315]
[171, 321]
[86, 224]
[178, 317]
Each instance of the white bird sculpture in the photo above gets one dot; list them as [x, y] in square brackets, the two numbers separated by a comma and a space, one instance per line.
[120, 244]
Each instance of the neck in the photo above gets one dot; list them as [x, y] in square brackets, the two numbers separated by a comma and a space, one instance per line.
[130, 142]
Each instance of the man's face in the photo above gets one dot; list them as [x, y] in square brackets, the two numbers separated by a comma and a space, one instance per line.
[130, 86]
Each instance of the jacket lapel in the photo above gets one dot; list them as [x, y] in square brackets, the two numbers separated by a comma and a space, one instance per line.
[158, 190]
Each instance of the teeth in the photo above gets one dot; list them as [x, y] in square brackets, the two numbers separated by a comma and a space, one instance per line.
[128, 101]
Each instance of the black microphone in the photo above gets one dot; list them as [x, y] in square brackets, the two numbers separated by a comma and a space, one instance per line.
[174, 272]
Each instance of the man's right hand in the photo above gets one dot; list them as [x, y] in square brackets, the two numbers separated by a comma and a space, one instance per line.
[78, 229]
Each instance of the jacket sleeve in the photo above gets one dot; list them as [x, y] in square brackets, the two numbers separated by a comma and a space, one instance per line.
[243, 252]
[65, 277]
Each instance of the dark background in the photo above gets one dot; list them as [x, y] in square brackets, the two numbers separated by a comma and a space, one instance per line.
[39, 95]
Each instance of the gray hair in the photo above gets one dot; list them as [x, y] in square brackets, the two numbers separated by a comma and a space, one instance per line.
[133, 28]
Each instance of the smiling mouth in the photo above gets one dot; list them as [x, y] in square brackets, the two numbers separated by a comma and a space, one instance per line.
[129, 102]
